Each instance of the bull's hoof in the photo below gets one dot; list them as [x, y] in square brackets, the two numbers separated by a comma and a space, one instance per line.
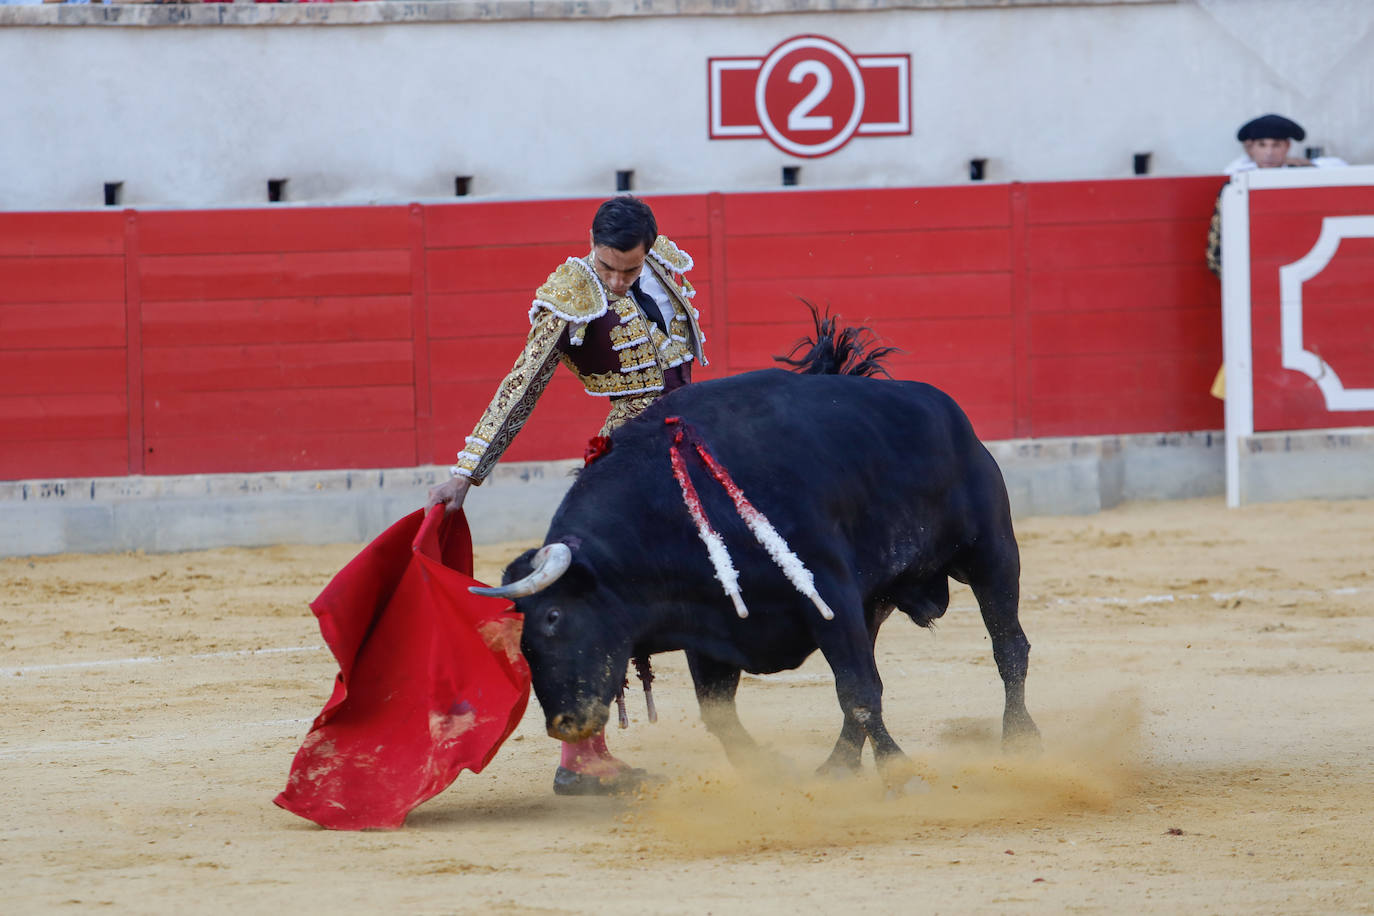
[626, 782]
[901, 776]
[1024, 743]
[839, 769]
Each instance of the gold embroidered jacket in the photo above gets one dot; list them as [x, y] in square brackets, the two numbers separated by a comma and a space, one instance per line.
[615, 351]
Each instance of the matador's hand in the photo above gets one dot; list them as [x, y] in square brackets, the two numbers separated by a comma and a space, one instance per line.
[451, 492]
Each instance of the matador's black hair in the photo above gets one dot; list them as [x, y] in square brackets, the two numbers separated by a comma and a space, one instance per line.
[624, 223]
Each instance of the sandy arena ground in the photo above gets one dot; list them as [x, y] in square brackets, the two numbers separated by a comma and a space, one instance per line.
[1203, 679]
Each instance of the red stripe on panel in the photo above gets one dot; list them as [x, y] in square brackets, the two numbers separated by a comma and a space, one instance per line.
[272, 230]
[55, 325]
[863, 211]
[1135, 288]
[62, 279]
[1160, 331]
[501, 314]
[28, 235]
[862, 254]
[247, 276]
[189, 323]
[876, 299]
[251, 451]
[79, 456]
[70, 371]
[1118, 244]
[1123, 200]
[285, 413]
[534, 223]
[274, 366]
[30, 418]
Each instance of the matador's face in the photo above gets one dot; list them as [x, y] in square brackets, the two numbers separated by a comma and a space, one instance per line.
[1267, 153]
[618, 269]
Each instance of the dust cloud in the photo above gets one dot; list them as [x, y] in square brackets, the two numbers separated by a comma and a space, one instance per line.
[1087, 765]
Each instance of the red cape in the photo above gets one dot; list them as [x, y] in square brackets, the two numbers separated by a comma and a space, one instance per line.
[431, 680]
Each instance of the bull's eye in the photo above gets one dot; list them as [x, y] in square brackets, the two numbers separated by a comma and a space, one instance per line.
[551, 620]
[554, 614]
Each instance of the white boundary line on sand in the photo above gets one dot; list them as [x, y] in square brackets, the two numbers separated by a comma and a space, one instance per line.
[1253, 594]
[68, 747]
[150, 659]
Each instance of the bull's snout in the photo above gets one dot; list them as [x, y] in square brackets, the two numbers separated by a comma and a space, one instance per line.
[573, 728]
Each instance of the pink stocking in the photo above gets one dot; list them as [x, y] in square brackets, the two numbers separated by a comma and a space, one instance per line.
[590, 756]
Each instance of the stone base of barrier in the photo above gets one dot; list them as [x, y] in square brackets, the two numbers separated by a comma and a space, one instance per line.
[1311, 464]
[1044, 477]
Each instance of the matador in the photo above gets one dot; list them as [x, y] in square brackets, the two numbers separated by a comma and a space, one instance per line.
[622, 319]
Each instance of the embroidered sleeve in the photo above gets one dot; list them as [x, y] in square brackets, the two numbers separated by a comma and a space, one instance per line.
[515, 398]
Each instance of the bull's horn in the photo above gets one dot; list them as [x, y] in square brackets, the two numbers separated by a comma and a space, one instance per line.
[550, 562]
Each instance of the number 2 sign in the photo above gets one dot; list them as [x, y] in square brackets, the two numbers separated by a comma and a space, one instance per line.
[809, 96]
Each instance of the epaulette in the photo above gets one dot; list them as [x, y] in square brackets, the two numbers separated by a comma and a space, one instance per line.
[666, 252]
[572, 292]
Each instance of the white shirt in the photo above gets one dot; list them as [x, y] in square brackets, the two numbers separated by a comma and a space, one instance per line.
[1244, 163]
[648, 283]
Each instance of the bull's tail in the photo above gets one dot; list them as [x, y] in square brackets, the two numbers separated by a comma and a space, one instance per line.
[837, 351]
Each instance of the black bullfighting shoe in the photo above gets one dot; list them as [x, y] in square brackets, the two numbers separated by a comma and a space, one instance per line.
[628, 780]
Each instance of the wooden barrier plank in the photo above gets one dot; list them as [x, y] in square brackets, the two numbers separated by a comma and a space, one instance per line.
[514, 270]
[1293, 202]
[1133, 288]
[1122, 200]
[502, 315]
[1171, 242]
[83, 456]
[280, 366]
[287, 413]
[862, 254]
[254, 450]
[534, 223]
[1160, 331]
[272, 230]
[249, 276]
[293, 319]
[975, 340]
[1146, 377]
[875, 300]
[61, 325]
[867, 210]
[28, 235]
[61, 279]
[1108, 417]
[69, 371]
[32, 418]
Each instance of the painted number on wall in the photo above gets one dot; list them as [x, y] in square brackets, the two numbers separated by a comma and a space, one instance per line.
[809, 96]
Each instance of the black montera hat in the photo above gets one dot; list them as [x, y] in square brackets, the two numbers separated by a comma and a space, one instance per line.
[1270, 127]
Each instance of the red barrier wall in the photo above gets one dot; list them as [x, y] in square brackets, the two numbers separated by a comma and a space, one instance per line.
[176, 342]
[1336, 319]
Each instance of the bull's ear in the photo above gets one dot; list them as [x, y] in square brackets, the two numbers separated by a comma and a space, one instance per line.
[520, 567]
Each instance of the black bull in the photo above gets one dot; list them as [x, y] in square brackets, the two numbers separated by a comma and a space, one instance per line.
[880, 487]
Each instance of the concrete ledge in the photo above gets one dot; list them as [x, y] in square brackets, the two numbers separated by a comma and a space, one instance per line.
[1044, 477]
[386, 12]
[1311, 464]
[95, 515]
[162, 514]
